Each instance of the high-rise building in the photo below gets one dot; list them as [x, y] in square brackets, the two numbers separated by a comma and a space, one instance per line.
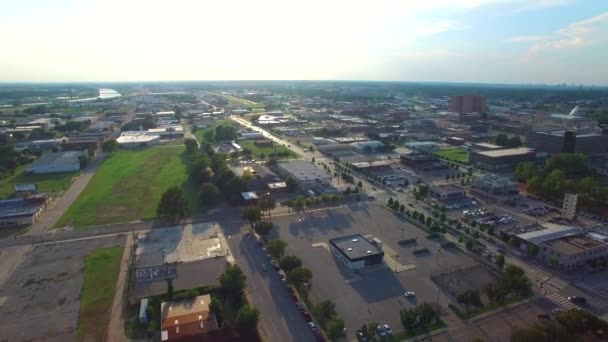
[569, 206]
[467, 104]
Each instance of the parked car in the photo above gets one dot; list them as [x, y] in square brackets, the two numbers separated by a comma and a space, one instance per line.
[312, 326]
[409, 294]
[387, 329]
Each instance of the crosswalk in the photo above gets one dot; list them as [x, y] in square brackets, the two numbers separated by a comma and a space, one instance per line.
[592, 288]
[562, 301]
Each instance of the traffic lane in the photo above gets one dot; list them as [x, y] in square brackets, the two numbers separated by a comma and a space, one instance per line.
[279, 315]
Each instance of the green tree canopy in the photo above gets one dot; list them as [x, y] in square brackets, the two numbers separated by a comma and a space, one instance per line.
[210, 195]
[276, 248]
[172, 205]
[247, 318]
[290, 262]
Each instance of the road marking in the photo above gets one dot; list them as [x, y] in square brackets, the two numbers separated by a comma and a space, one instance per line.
[592, 288]
[562, 301]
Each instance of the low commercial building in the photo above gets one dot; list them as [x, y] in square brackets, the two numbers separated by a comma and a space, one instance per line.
[277, 186]
[367, 146]
[307, 174]
[187, 320]
[491, 187]
[263, 143]
[483, 146]
[137, 139]
[456, 141]
[378, 165]
[336, 150]
[251, 136]
[21, 211]
[250, 197]
[322, 141]
[56, 162]
[168, 132]
[502, 158]
[39, 145]
[356, 252]
[422, 162]
[421, 145]
[448, 192]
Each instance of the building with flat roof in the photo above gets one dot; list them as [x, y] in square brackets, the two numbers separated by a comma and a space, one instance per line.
[336, 149]
[422, 162]
[421, 145]
[568, 141]
[137, 139]
[456, 141]
[304, 172]
[188, 319]
[168, 132]
[56, 162]
[367, 146]
[467, 104]
[357, 252]
[376, 165]
[448, 192]
[491, 187]
[502, 158]
[21, 211]
[482, 146]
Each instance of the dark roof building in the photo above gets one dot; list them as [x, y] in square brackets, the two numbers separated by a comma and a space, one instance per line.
[502, 158]
[356, 252]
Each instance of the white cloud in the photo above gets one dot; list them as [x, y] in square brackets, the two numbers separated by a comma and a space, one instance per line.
[582, 33]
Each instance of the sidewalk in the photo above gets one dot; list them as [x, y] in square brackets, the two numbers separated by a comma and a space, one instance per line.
[116, 326]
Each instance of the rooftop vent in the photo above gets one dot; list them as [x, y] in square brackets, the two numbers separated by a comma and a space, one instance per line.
[355, 240]
[350, 249]
[369, 252]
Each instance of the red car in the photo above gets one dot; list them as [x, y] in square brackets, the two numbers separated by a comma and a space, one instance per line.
[306, 316]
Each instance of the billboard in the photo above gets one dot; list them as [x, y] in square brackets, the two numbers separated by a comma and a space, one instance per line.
[25, 187]
[155, 273]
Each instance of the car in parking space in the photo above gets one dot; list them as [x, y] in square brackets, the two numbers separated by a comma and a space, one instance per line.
[387, 329]
[263, 267]
[312, 326]
[408, 294]
[306, 316]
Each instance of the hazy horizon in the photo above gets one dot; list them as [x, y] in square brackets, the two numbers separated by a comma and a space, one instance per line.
[512, 42]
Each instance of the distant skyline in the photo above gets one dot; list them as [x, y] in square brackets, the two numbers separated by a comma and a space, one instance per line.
[461, 41]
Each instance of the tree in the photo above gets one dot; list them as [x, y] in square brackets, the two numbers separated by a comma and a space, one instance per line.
[390, 202]
[290, 262]
[247, 318]
[292, 184]
[298, 276]
[334, 328]
[470, 297]
[109, 146]
[266, 203]
[172, 205]
[210, 195]
[501, 139]
[543, 331]
[311, 149]
[191, 145]
[276, 248]
[578, 321]
[533, 251]
[360, 184]
[251, 214]
[500, 261]
[325, 311]
[232, 282]
[84, 160]
[263, 227]
[401, 208]
[514, 141]
[490, 291]
[215, 307]
[368, 331]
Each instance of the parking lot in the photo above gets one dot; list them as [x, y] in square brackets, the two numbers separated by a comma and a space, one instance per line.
[377, 294]
[41, 299]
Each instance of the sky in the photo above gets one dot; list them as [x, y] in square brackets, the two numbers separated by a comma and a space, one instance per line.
[481, 41]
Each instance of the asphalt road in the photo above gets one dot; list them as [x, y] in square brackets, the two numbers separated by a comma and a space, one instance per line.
[280, 318]
[53, 213]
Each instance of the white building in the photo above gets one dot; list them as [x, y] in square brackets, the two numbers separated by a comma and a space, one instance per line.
[304, 172]
[56, 162]
[252, 136]
[136, 139]
[569, 206]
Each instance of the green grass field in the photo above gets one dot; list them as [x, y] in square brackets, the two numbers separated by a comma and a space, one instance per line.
[267, 150]
[455, 154]
[236, 101]
[53, 182]
[128, 186]
[100, 275]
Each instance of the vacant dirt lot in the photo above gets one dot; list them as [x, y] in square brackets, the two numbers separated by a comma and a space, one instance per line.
[40, 300]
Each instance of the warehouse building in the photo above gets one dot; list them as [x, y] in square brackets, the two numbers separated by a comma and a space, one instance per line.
[367, 146]
[483, 146]
[502, 158]
[137, 139]
[357, 252]
[304, 172]
[21, 211]
[56, 162]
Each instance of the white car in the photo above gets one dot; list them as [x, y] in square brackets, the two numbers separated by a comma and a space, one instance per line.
[312, 326]
[409, 294]
[387, 329]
